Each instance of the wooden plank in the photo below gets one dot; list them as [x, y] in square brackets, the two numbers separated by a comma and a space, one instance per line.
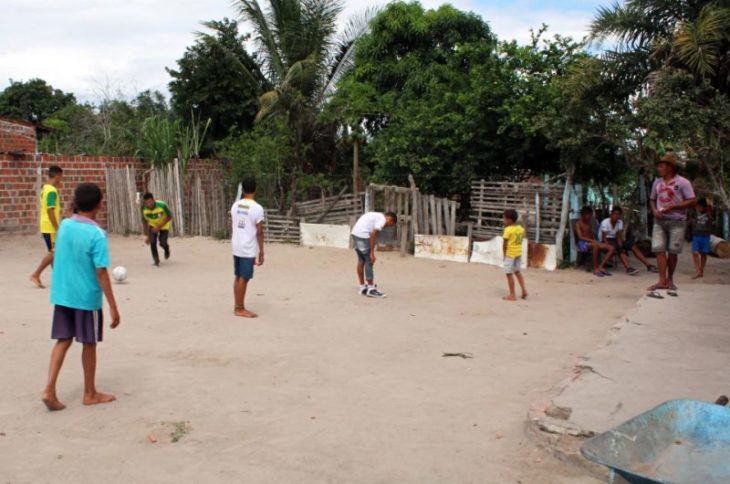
[415, 222]
[452, 225]
[432, 213]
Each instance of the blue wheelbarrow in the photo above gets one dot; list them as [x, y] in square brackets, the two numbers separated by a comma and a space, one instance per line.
[680, 441]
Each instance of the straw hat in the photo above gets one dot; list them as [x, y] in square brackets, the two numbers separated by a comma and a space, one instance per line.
[670, 159]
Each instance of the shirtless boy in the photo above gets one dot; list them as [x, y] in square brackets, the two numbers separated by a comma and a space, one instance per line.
[588, 243]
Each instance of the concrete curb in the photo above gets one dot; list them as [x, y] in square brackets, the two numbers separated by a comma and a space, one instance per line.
[549, 426]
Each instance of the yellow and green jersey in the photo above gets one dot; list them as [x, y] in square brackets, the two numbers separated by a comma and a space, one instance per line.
[49, 199]
[513, 235]
[157, 214]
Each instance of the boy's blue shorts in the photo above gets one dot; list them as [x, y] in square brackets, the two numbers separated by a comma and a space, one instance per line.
[701, 244]
[243, 267]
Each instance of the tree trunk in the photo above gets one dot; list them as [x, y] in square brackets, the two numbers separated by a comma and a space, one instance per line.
[356, 167]
[717, 186]
[643, 206]
[564, 214]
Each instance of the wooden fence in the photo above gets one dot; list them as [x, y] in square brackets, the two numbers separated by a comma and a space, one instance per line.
[538, 204]
[207, 208]
[280, 228]
[337, 209]
[123, 210]
[417, 213]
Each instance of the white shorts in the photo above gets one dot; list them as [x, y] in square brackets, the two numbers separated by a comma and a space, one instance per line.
[512, 265]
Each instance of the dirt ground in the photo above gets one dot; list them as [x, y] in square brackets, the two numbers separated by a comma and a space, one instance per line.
[326, 386]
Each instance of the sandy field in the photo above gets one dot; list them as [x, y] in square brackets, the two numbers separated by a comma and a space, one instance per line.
[326, 386]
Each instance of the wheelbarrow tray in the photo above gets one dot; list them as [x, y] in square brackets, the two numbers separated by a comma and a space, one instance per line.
[680, 441]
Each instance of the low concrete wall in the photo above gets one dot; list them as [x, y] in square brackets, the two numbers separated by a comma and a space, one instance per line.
[442, 247]
[534, 255]
[491, 252]
[325, 235]
[542, 256]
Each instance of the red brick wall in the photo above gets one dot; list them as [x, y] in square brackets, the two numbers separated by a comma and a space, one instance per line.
[21, 178]
[17, 136]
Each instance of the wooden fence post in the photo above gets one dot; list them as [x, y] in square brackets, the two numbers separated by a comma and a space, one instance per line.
[414, 207]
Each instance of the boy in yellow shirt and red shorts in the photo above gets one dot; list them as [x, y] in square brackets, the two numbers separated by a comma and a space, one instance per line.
[512, 246]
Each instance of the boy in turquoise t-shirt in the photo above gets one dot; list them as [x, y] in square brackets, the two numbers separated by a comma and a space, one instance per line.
[512, 246]
[79, 278]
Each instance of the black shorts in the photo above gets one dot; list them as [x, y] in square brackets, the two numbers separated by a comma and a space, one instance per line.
[623, 248]
[50, 240]
[85, 326]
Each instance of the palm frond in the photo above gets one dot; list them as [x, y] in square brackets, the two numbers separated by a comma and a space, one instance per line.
[357, 26]
[698, 43]
[252, 72]
[268, 102]
[251, 11]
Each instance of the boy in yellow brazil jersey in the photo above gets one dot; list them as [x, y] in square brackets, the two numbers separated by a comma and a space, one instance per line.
[49, 219]
[512, 246]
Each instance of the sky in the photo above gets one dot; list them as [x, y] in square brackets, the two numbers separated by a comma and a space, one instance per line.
[96, 48]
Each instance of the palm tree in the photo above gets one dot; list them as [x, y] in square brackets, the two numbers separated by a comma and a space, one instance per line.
[302, 58]
[652, 34]
[658, 42]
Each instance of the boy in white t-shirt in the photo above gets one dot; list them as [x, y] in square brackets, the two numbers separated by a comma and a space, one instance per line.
[247, 240]
[611, 231]
[364, 235]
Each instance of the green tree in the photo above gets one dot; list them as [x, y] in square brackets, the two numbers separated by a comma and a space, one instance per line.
[673, 57]
[422, 88]
[33, 100]
[113, 127]
[218, 79]
[440, 98]
[302, 60]
[534, 79]
[652, 34]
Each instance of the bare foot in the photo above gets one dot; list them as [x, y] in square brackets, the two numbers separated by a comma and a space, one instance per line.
[509, 298]
[245, 313]
[524, 295]
[52, 402]
[697, 276]
[97, 398]
[37, 281]
[657, 286]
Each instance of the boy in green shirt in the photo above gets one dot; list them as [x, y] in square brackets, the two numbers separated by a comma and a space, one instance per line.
[512, 247]
[158, 219]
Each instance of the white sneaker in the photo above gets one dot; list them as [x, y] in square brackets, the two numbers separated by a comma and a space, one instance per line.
[375, 293]
[363, 290]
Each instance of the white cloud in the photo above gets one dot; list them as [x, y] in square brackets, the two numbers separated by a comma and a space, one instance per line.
[82, 45]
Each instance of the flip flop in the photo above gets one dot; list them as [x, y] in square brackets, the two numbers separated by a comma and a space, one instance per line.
[673, 293]
[607, 274]
[655, 295]
[599, 274]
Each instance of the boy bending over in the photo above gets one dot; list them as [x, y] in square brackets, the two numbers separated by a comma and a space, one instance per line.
[364, 236]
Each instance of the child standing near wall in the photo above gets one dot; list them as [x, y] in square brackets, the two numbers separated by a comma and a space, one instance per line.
[512, 246]
[701, 238]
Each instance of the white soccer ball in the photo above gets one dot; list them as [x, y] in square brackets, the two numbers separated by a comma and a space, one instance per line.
[119, 273]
